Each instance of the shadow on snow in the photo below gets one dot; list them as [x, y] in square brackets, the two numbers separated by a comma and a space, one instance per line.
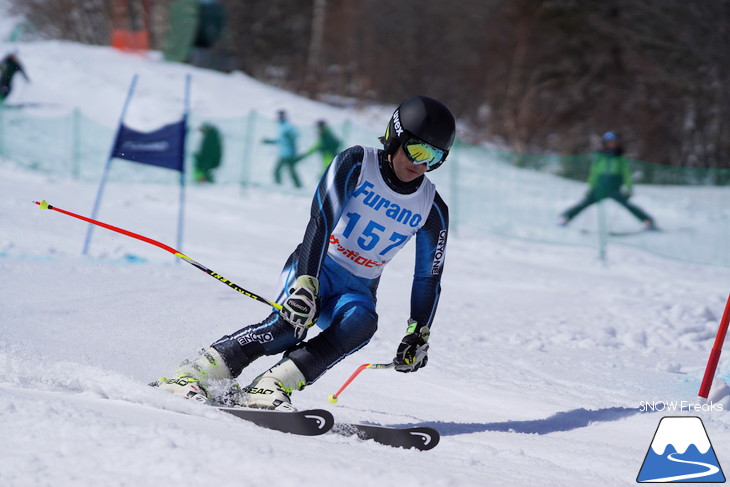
[563, 421]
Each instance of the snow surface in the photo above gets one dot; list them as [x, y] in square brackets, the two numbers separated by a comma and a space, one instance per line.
[542, 360]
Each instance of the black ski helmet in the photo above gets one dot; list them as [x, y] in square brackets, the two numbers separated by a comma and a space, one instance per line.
[423, 118]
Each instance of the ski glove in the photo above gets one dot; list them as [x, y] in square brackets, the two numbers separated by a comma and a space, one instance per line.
[300, 308]
[412, 351]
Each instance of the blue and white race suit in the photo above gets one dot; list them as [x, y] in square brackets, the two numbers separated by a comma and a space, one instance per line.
[358, 223]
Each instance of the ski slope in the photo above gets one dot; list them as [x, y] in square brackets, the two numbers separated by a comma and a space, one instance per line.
[541, 356]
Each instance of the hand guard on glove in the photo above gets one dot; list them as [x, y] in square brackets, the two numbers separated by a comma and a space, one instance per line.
[412, 351]
[300, 309]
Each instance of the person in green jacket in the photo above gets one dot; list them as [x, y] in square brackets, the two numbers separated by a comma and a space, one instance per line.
[9, 66]
[610, 177]
[209, 154]
[328, 145]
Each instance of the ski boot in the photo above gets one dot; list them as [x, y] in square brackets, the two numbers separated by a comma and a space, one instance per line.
[273, 388]
[191, 378]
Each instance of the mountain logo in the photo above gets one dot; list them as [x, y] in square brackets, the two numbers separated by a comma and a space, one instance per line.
[680, 452]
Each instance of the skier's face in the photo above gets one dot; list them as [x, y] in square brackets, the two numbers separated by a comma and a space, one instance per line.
[404, 169]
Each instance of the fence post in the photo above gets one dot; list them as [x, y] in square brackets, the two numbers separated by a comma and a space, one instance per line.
[2, 130]
[602, 231]
[76, 141]
[454, 193]
[346, 130]
[247, 150]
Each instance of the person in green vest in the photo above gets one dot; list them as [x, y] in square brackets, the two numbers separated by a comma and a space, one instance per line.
[328, 145]
[610, 177]
[209, 154]
[9, 66]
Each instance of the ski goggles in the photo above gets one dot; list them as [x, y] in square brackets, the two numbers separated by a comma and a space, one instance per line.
[419, 152]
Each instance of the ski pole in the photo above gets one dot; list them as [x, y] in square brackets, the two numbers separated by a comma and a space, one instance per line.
[334, 397]
[45, 206]
[420, 353]
[715, 353]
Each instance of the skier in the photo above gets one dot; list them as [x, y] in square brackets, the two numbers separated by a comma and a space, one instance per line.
[610, 177]
[369, 203]
[287, 142]
[327, 144]
[9, 66]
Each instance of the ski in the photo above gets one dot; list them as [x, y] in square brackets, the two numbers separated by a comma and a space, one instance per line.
[309, 422]
[313, 422]
[419, 437]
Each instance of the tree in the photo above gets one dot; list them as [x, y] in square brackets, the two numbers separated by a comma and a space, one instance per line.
[534, 75]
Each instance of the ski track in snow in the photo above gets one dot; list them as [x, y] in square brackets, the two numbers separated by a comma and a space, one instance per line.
[539, 360]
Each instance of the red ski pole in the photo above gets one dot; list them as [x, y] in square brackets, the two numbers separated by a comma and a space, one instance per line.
[420, 353]
[333, 397]
[45, 206]
[715, 353]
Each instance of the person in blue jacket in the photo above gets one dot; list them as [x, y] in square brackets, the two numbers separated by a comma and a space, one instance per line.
[369, 203]
[287, 142]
